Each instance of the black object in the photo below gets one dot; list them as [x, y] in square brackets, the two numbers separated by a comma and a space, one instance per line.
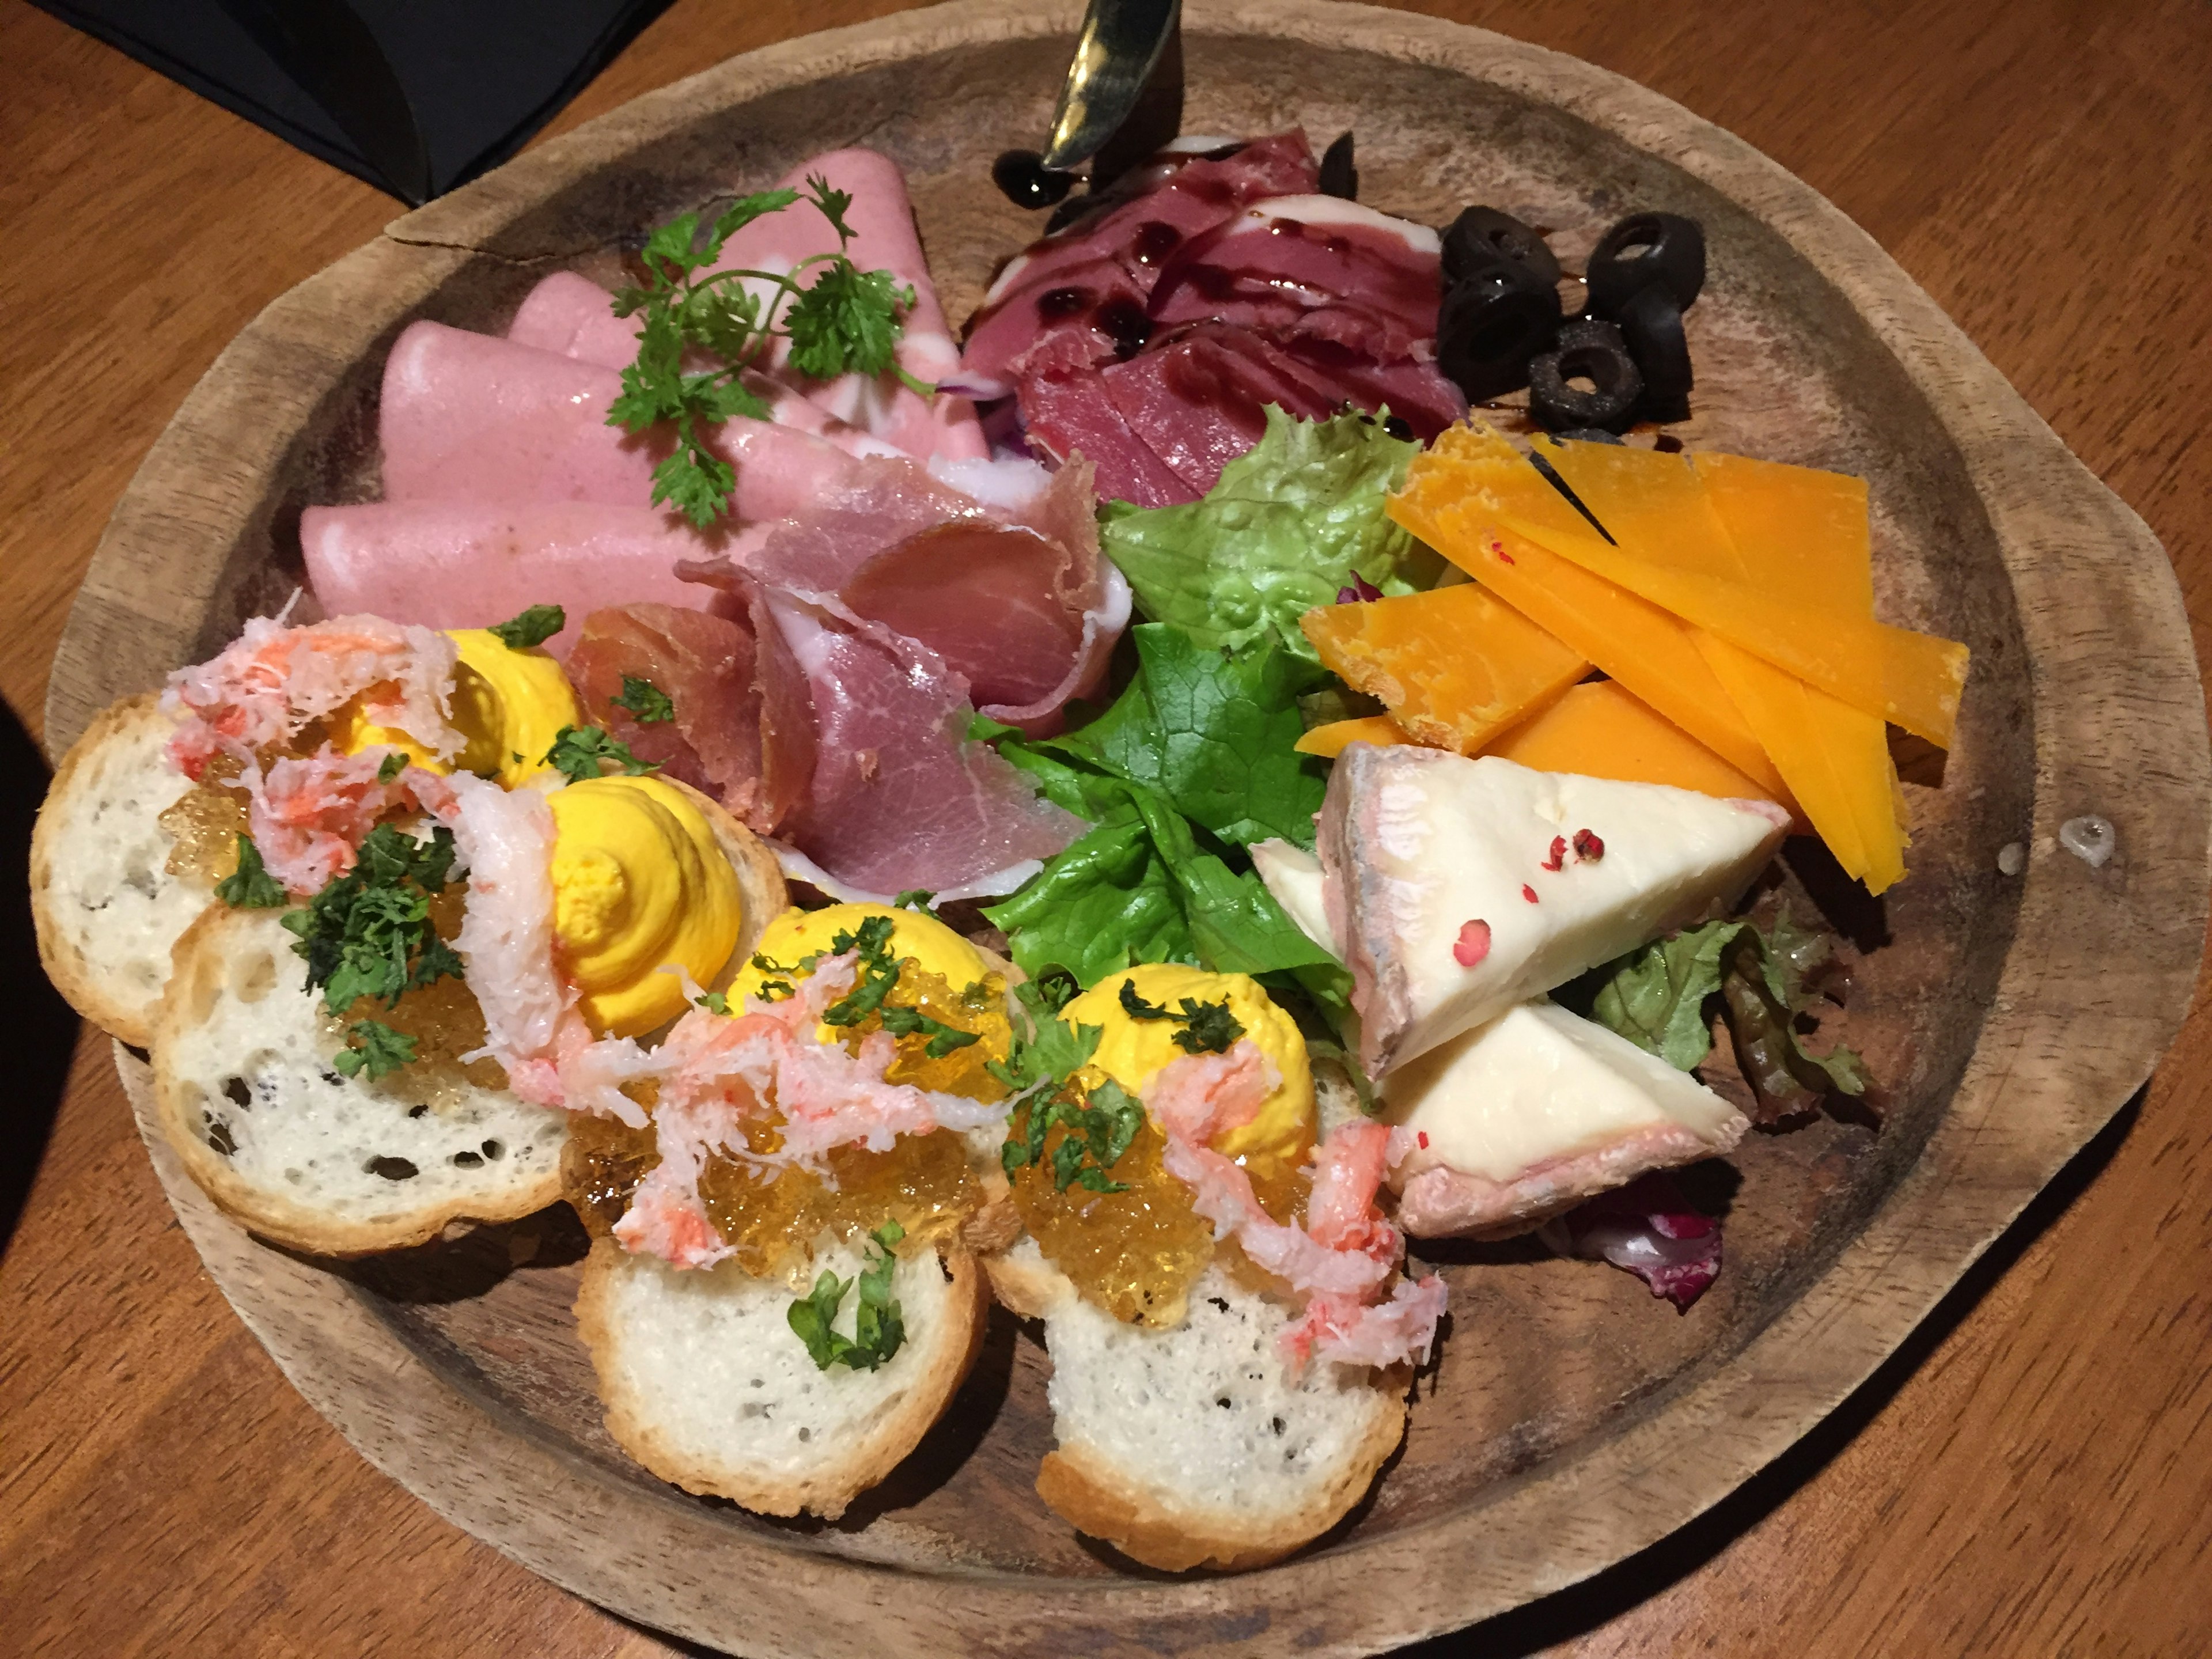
[415, 98]
[1651, 328]
[1491, 324]
[1590, 331]
[1339, 177]
[1559, 407]
[1588, 435]
[1023, 179]
[1645, 248]
[1483, 236]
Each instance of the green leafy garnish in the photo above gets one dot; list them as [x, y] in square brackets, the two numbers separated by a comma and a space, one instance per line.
[845, 320]
[577, 751]
[1287, 524]
[1656, 997]
[390, 767]
[1050, 1053]
[1208, 1027]
[915, 898]
[252, 888]
[943, 1038]
[878, 1328]
[375, 1047]
[533, 627]
[1099, 1126]
[648, 705]
[369, 933]
[714, 1002]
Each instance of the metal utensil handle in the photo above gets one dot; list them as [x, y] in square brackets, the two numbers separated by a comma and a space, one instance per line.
[1120, 46]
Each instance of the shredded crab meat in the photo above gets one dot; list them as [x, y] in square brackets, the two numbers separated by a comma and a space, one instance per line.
[505, 842]
[1344, 1255]
[271, 681]
[309, 816]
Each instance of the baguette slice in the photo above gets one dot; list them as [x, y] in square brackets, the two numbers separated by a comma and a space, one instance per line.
[106, 909]
[706, 1385]
[307, 1158]
[1193, 1447]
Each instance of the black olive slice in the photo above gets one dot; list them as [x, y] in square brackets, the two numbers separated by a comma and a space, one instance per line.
[1023, 179]
[1589, 331]
[1491, 324]
[1559, 405]
[1645, 248]
[1482, 235]
[1338, 175]
[1651, 328]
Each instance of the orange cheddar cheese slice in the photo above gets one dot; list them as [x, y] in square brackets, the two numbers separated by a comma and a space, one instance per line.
[1454, 666]
[1333, 739]
[1600, 731]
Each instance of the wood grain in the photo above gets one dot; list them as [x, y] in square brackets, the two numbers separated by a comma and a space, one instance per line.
[74, 1435]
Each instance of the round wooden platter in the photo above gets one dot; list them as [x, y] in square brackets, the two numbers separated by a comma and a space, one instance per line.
[1572, 1419]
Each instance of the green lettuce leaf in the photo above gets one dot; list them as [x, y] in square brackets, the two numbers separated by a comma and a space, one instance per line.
[1283, 529]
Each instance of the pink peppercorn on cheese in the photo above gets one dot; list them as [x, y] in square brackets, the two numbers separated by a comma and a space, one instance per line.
[1563, 871]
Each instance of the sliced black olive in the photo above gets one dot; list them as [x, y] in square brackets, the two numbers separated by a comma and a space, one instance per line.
[1023, 179]
[1558, 405]
[1588, 435]
[1651, 328]
[1338, 175]
[1482, 235]
[1491, 324]
[1642, 249]
[1589, 331]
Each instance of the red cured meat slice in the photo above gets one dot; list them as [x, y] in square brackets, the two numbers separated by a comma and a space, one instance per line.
[464, 564]
[1113, 257]
[1070, 414]
[470, 417]
[1417, 391]
[900, 799]
[1196, 401]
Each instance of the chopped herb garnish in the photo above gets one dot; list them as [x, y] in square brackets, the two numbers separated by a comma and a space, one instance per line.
[943, 1038]
[878, 970]
[252, 888]
[369, 933]
[375, 1047]
[1208, 1027]
[843, 320]
[1099, 1127]
[878, 1328]
[577, 751]
[533, 627]
[714, 1002]
[915, 898]
[390, 767]
[648, 705]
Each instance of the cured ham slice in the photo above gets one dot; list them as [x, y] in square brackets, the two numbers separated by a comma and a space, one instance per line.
[715, 671]
[462, 564]
[471, 417]
[900, 799]
[881, 217]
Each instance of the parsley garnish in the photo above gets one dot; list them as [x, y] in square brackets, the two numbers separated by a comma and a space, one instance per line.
[714, 1002]
[878, 970]
[845, 320]
[1208, 1027]
[577, 750]
[943, 1038]
[374, 1047]
[390, 767]
[648, 703]
[533, 627]
[369, 933]
[915, 898]
[252, 888]
[878, 1328]
[1099, 1128]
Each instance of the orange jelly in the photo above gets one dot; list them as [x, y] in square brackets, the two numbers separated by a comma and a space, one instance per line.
[444, 1019]
[206, 821]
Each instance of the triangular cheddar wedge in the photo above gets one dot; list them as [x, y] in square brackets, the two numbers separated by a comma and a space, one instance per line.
[1600, 731]
[1331, 740]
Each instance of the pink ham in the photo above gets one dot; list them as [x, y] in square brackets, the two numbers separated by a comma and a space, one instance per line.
[881, 217]
[470, 417]
[900, 799]
[459, 564]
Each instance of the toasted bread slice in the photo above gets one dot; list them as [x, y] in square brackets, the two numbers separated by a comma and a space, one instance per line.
[1194, 1446]
[329, 1164]
[107, 908]
[706, 1385]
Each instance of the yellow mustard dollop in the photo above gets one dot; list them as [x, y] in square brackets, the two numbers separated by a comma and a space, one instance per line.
[915, 936]
[639, 883]
[1131, 1051]
[509, 704]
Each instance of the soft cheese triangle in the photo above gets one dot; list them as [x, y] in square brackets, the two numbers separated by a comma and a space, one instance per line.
[1417, 844]
[1529, 1114]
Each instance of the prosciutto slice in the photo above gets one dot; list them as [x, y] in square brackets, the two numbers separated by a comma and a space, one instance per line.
[900, 799]
[881, 217]
[721, 681]
[468, 564]
[471, 417]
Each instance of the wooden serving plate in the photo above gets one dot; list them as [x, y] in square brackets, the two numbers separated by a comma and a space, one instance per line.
[1572, 1419]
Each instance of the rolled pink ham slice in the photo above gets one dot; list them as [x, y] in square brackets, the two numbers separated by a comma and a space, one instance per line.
[464, 564]
[883, 239]
[470, 417]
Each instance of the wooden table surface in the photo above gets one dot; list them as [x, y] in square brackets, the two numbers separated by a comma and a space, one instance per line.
[2032, 1475]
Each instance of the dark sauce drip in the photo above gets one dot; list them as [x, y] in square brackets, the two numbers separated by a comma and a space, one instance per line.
[1155, 241]
[1124, 323]
[1055, 304]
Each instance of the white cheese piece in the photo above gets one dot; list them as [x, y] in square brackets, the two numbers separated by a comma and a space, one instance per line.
[1417, 843]
[1537, 1086]
[1293, 876]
